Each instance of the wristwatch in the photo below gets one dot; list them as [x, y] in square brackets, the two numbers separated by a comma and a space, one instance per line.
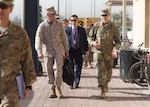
[28, 87]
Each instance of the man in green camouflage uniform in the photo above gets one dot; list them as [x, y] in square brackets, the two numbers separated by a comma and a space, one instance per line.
[104, 39]
[15, 56]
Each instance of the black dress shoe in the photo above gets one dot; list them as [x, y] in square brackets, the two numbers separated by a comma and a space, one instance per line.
[71, 86]
[76, 86]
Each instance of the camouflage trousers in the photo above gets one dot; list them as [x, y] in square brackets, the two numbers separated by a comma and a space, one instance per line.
[54, 76]
[104, 64]
[10, 100]
[88, 58]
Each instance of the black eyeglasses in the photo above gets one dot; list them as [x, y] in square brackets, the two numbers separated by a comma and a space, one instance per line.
[74, 20]
[104, 15]
[3, 6]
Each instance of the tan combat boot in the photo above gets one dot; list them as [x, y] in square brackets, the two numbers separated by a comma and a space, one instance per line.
[85, 65]
[89, 65]
[103, 93]
[107, 88]
[58, 92]
[52, 93]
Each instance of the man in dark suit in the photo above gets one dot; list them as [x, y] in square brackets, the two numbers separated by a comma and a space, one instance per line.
[78, 46]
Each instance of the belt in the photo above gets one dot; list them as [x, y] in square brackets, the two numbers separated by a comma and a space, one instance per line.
[74, 48]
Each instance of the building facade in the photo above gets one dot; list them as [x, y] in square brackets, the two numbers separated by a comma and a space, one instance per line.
[141, 20]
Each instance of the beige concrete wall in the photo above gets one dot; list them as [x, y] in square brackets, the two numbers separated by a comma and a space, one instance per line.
[147, 22]
[138, 22]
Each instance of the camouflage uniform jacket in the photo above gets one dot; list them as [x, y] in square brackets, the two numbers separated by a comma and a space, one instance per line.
[107, 35]
[87, 30]
[51, 39]
[15, 56]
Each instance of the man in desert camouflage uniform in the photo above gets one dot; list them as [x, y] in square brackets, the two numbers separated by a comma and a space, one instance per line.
[104, 39]
[88, 58]
[15, 56]
[51, 44]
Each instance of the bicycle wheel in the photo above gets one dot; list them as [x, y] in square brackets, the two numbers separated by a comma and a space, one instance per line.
[137, 72]
[147, 73]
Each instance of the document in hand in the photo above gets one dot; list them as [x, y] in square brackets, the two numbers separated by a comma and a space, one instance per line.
[21, 85]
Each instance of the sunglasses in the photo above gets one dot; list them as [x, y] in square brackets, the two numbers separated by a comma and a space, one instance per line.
[74, 20]
[3, 6]
[104, 15]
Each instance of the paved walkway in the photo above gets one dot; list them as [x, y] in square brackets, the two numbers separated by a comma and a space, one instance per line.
[120, 93]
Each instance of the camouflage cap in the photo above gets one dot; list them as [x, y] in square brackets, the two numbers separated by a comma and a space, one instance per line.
[65, 20]
[104, 12]
[86, 18]
[7, 2]
[51, 9]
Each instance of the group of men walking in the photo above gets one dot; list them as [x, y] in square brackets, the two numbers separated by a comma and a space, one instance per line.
[55, 42]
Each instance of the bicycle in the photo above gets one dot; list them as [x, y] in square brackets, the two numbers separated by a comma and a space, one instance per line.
[139, 71]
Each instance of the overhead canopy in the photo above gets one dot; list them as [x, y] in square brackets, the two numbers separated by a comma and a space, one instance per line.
[118, 2]
[123, 3]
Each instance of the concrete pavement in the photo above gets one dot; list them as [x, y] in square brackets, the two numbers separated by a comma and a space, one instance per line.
[120, 93]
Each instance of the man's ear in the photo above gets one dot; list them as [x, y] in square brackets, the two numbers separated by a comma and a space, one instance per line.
[108, 14]
[11, 8]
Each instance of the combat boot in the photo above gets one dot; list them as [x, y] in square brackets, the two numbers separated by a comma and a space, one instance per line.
[52, 93]
[58, 92]
[103, 93]
[89, 65]
[85, 65]
[107, 88]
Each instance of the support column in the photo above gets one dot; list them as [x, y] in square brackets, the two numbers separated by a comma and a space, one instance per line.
[31, 22]
[124, 24]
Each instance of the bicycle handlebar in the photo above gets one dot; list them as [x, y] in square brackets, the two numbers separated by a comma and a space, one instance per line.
[138, 54]
[145, 52]
[140, 45]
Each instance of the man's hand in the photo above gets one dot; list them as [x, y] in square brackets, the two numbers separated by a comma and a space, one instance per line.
[40, 56]
[26, 94]
[96, 45]
[86, 53]
[66, 54]
[115, 53]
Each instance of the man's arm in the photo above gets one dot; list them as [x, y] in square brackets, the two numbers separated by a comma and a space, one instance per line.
[38, 41]
[27, 64]
[117, 39]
